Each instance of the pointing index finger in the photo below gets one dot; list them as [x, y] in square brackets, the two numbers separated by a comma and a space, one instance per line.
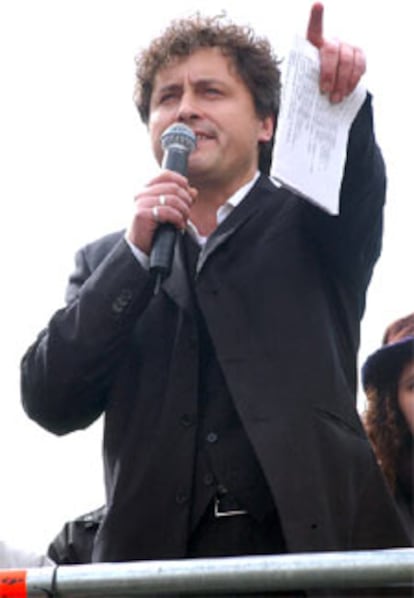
[314, 32]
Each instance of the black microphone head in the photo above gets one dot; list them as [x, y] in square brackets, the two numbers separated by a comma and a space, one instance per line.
[180, 136]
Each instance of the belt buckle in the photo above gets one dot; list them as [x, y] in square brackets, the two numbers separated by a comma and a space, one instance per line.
[230, 513]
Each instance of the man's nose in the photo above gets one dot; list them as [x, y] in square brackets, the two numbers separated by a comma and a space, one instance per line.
[188, 108]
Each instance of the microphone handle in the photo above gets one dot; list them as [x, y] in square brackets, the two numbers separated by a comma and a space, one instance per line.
[162, 250]
[176, 159]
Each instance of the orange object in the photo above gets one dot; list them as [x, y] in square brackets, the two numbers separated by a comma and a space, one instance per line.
[13, 583]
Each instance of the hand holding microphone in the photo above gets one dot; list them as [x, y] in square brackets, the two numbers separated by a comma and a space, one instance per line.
[162, 207]
[178, 141]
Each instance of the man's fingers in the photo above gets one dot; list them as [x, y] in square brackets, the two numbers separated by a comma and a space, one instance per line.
[314, 33]
[342, 66]
[351, 67]
[359, 68]
[329, 60]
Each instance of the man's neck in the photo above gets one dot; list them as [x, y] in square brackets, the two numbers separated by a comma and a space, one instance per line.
[204, 211]
[204, 216]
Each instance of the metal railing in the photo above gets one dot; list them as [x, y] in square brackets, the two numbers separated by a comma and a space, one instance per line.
[234, 576]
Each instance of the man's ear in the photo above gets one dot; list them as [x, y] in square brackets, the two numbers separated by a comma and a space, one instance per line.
[267, 126]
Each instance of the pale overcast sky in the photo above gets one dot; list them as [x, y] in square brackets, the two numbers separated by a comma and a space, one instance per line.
[73, 153]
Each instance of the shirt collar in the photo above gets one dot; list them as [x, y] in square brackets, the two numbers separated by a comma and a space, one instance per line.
[225, 209]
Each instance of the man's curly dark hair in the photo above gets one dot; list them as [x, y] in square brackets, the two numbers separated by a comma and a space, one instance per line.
[251, 55]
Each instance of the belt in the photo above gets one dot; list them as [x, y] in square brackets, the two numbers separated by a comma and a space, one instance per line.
[226, 506]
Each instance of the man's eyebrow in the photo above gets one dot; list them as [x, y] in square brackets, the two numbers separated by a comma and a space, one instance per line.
[201, 80]
[168, 87]
[208, 81]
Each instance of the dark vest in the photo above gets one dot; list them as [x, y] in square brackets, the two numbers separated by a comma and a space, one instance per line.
[225, 460]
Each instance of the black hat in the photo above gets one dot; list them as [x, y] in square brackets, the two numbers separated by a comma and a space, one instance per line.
[383, 367]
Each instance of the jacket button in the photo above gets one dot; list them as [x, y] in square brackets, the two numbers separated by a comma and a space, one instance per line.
[212, 437]
[186, 420]
[181, 498]
[122, 301]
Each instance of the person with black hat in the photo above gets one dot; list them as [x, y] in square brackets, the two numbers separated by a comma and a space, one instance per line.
[388, 380]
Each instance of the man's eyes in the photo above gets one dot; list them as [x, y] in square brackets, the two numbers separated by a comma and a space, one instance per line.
[167, 96]
[213, 90]
[173, 95]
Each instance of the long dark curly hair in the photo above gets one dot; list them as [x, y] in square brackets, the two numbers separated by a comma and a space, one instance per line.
[386, 426]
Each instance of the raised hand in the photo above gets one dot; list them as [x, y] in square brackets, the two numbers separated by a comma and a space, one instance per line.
[342, 65]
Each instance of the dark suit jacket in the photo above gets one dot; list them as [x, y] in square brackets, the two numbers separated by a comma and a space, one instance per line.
[282, 288]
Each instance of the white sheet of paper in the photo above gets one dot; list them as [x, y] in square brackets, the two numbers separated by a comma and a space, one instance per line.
[312, 133]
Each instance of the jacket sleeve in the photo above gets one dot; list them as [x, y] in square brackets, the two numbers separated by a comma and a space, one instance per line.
[66, 372]
[350, 243]
[73, 545]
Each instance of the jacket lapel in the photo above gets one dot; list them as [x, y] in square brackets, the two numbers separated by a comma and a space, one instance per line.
[249, 207]
[177, 285]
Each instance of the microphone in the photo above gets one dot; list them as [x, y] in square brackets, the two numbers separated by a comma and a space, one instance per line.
[177, 141]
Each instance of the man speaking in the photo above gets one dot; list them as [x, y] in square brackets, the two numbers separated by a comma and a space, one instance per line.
[229, 393]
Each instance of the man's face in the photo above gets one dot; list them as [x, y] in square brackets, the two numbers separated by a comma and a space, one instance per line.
[406, 394]
[204, 92]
